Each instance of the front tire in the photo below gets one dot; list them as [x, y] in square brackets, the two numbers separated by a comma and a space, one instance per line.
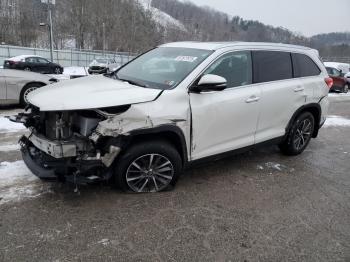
[346, 89]
[299, 135]
[27, 69]
[151, 166]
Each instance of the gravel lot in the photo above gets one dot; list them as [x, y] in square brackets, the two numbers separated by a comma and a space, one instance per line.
[258, 206]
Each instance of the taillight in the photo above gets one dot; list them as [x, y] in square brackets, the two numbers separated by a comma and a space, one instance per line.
[12, 62]
[329, 82]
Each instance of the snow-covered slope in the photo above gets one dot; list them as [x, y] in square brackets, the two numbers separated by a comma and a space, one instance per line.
[161, 17]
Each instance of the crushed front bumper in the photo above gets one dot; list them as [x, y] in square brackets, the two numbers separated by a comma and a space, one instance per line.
[33, 166]
[54, 148]
[68, 169]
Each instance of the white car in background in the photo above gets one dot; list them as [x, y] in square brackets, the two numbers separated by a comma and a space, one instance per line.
[102, 66]
[15, 85]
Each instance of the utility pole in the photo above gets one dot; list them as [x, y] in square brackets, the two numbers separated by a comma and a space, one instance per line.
[49, 3]
[104, 37]
[51, 32]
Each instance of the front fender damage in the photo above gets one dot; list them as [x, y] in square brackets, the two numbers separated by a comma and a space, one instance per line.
[127, 123]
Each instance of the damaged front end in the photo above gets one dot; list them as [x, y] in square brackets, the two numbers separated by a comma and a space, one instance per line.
[67, 145]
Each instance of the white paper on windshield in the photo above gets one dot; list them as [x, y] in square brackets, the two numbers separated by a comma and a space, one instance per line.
[190, 59]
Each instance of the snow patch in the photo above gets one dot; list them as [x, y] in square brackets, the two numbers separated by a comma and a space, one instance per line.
[339, 94]
[104, 241]
[75, 71]
[275, 166]
[6, 126]
[161, 17]
[9, 147]
[337, 121]
[17, 182]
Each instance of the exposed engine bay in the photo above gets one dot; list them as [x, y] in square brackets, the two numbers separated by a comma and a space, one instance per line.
[68, 145]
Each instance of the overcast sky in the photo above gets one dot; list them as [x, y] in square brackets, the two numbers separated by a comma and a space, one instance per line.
[308, 17]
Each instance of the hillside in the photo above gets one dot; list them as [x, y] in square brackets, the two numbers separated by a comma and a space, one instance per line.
[331, 39]
[139, 25]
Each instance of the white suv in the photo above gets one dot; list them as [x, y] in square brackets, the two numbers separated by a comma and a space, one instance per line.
[176, 104]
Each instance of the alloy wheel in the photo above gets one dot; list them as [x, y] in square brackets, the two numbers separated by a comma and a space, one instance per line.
[57, 71]
[150, 173]
[26, 93]
[302, 134]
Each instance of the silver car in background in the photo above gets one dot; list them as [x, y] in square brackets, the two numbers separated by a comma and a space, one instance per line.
[15, 85]
[103, 65]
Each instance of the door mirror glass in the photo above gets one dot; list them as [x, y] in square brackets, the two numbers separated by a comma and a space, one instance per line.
[210, 82]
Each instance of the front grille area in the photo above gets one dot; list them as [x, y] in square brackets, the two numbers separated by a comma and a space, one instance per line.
[97, 68]
[58, 125]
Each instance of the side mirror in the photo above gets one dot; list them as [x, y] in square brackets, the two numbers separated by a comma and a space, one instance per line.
[210, 82]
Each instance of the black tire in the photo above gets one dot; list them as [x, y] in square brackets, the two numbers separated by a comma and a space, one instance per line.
[24, 92]
[346, 89]
[27, 68]
[140, 152]
[291, 145]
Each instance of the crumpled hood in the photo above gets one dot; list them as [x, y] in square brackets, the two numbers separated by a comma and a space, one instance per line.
[89, 92]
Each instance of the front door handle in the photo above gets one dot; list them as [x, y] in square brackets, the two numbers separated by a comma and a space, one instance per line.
[299, 89]
[252, 99]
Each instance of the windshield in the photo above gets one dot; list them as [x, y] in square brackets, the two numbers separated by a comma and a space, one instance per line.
[102, 61]
[163, 67]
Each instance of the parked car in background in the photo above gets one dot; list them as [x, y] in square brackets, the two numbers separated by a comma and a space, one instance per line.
[141, 125]
[16, 85]
[340, 83]
[33, 63]
[102, 66]
[344, 68]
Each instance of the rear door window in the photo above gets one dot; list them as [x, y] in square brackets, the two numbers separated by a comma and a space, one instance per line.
[304, 66]
[272, 66]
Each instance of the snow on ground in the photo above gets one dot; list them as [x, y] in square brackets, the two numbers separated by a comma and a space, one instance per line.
[337, 121]
[6, 126]
[75, 71]
[18, 183]
[339, 94]
[9, 147]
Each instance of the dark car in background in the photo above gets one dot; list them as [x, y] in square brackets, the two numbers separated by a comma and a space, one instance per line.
[33, 63]
[340, 83]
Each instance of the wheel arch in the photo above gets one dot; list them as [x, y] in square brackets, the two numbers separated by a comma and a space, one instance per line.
[171, 133]
[314, 109]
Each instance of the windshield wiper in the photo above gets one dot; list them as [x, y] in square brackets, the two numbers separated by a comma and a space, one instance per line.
[132, 82]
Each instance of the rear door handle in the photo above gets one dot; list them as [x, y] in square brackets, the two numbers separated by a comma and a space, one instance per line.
[252, 99]
[299, 89]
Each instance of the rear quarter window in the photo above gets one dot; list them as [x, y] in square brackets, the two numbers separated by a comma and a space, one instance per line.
[272, 66]
[304, 66]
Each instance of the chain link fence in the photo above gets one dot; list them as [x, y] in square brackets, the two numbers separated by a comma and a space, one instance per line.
[65, 58]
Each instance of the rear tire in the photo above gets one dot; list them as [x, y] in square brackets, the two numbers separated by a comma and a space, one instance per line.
[299, 135]
[25, 91]
[151, 166]
[27, 69]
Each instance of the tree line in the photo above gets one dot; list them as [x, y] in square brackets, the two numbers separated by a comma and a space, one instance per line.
[126, 25]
